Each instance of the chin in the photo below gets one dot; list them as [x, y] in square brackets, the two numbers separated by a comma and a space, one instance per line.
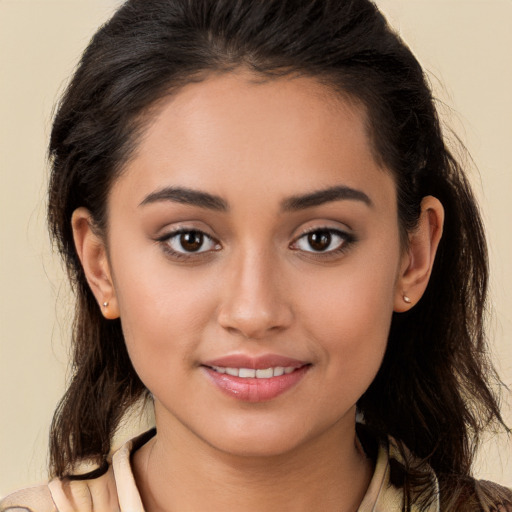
[263, 437]
[262, 446]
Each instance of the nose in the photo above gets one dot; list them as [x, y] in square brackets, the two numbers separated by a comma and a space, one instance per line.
[254, 303]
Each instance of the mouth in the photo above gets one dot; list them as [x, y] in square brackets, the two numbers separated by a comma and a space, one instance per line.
[255, 379]
[251, 373]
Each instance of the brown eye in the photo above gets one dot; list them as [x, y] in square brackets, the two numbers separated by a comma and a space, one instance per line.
[191, 241]
[323, 241]
[319, 240]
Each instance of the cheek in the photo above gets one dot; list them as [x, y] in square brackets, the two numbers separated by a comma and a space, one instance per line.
[352, 326]
[163, 311]
[349, 317]
[356, 296]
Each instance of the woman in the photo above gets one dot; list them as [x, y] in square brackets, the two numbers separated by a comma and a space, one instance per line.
[266, 234]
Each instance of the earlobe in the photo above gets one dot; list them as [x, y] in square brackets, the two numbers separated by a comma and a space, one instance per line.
[418, 260]
[92, 252]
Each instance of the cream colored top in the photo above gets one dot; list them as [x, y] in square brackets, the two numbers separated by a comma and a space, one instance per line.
[117, 491]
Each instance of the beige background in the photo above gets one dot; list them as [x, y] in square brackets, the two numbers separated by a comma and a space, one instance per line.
[465, 44]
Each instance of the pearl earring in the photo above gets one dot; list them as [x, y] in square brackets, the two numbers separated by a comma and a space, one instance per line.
[105, 304]
[407, 300]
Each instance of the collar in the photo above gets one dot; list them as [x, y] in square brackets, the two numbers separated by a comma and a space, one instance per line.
[381, 496]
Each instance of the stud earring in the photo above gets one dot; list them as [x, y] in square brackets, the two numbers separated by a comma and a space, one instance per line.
[407, 300]
[105, 304]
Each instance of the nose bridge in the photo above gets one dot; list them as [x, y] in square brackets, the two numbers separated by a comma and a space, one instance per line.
[254, 303]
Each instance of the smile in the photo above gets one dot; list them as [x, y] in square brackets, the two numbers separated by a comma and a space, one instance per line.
[258, 379]
[251, 373]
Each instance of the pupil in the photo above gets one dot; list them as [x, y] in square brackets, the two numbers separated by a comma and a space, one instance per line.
[191, 241]
[319, 240]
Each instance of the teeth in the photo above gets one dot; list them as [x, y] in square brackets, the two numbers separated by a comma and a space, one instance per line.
[246, 373]
[264, 374]
[249, 373]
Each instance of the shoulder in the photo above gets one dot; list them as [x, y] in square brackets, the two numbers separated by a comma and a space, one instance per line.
[470, 495]
[493, 497]
[89, 490]
[66, 495]
[33, 499]
[441, 493]
[477, 496]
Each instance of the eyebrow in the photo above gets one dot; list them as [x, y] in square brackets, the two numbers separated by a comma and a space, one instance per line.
[187, 196]
[212, 202]
[337, 193]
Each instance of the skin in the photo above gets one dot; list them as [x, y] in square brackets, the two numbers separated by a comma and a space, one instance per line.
[257, 287]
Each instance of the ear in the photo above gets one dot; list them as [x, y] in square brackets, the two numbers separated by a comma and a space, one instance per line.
[94, 258]
[418, 260]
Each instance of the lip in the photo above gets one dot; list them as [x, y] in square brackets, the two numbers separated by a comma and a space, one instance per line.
[255, 389]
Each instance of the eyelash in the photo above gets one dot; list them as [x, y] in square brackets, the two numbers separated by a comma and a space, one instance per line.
[346, 240]
[167, 239]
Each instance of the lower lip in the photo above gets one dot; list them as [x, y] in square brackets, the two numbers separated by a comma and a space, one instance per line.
[253, 389]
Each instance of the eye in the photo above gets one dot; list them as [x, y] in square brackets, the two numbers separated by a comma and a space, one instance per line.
[190, 241]
[322, 241]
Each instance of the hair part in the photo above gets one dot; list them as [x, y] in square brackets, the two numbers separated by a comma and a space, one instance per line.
[433, 392]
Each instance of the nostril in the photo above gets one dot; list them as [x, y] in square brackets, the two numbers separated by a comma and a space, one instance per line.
[254, 326]
[254, 305]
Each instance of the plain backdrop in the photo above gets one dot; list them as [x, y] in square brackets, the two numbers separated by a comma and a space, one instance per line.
[465, 45]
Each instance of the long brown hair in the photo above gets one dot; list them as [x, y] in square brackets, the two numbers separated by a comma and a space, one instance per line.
[434, 391]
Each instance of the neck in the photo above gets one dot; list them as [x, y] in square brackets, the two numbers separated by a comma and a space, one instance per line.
[328, 473]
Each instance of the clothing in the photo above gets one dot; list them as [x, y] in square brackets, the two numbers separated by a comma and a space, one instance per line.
[116, 491]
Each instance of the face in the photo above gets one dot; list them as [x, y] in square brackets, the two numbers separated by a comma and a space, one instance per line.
[254, 252]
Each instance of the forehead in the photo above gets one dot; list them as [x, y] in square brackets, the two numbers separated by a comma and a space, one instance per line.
[240, 105]
[290, 134]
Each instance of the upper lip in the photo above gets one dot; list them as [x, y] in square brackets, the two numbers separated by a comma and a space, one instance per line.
[255, 363]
